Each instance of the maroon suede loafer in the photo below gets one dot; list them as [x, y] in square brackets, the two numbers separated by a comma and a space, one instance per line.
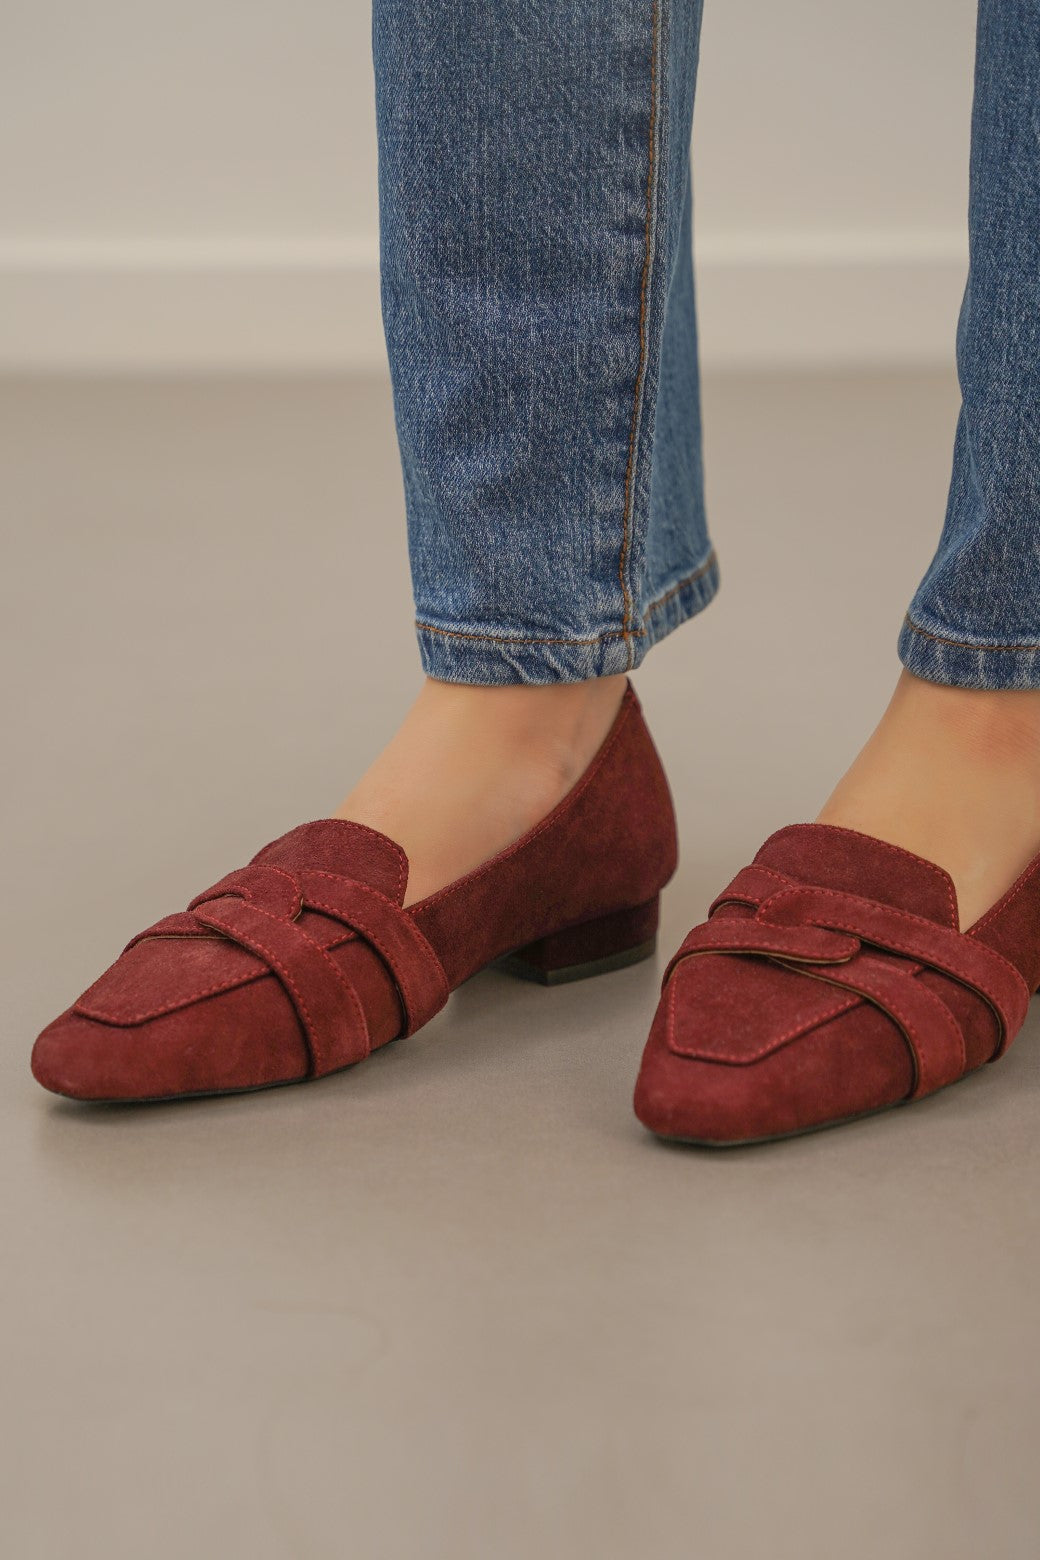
[831, 981]
[304, 961]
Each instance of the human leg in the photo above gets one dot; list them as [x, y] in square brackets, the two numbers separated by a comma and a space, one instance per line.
[538, 297]
[538, 300]
[891, 947]
[953, 769]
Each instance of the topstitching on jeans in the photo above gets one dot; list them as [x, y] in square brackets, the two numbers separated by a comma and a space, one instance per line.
[637, 405]
[965, 644]
[596, 639]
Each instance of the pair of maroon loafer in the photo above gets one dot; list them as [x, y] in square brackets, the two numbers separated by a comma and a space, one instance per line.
[830, 979]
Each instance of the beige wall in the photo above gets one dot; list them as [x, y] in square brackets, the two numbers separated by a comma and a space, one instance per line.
[194, 183]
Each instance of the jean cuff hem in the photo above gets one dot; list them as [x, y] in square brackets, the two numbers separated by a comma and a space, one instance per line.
[943, 658]
[487, 657]
[679, 602]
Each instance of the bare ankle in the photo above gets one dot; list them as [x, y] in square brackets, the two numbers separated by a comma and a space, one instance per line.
[472, 768]
[952, 774]
[556, 727]
[1001, 725]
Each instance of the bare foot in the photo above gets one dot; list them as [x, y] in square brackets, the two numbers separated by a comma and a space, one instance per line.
[952, 774]
[471, 769]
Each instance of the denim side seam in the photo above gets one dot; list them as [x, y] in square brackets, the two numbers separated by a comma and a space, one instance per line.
[645, 281]
[540, 328]
[678, 604]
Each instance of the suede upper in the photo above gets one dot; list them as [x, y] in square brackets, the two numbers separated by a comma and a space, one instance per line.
[830, 980]
[305, 960]
[151, 979]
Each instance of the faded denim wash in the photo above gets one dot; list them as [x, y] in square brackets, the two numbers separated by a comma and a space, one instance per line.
[975, 619]
[538, 301]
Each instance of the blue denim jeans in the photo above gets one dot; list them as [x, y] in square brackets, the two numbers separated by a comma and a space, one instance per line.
[538, 300]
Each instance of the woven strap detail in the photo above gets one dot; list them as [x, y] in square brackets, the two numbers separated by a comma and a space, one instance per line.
[328, 1007]
[258, 908]
[391, 931]
[873, 951]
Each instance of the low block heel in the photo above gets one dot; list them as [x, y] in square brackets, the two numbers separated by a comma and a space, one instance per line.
[610, 942]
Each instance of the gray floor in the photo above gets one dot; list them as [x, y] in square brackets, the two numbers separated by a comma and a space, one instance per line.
[456, 1303]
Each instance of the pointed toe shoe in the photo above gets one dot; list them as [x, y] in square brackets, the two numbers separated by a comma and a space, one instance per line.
[306, 960]
[831, 981]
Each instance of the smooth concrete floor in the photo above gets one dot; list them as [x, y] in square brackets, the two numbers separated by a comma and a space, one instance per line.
[456, 1304]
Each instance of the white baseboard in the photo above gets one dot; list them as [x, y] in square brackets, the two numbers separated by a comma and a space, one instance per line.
[831, 300]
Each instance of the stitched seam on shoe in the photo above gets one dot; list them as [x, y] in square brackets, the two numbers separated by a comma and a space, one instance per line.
[270, 867]
[1005, 900]
[421, 947]
[966, 644]
[628, 706]
[348, 823]
[338, 877]
[1019, 978]
[627, 709]
[922, 1073]
[784, 877]
[369, 937]
[804, 1026]
[167, 1007]
[232, 894]
[922, 921]
[937, 872]
[762, 944]
[282, 970]
[232, 983]
[722, 899]
[851, 1000]
[644, 285]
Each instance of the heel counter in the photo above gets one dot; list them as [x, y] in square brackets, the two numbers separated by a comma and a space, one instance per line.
[652, 799]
